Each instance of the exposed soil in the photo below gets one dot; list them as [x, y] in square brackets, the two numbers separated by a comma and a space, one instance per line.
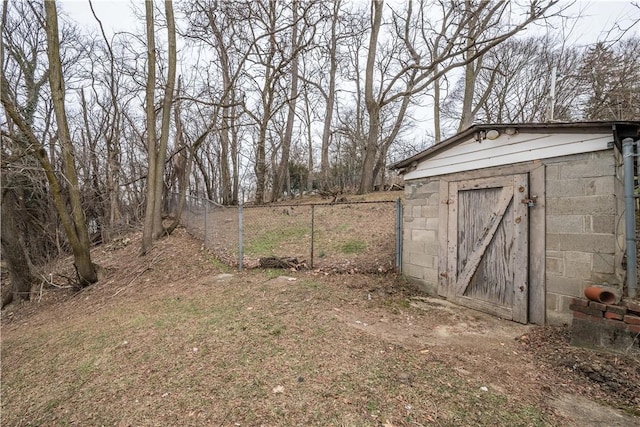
[171, 339]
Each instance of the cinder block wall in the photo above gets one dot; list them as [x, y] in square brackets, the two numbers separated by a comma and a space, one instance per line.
[421, 224]
[583, 223]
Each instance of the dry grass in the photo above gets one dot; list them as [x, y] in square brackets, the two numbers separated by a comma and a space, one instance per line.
[348, 237]
[166, 340]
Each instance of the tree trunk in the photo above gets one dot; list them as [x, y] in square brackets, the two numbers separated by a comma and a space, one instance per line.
[161, 156]
[14, 250]
[331, 97]
[78, 234]
[267, 96]
[148, 229]
[470, 72]
[372, 104]
[282, 172]
[157, 150]
[436, 108]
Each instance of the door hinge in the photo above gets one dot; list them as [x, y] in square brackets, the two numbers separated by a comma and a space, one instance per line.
[530, 202]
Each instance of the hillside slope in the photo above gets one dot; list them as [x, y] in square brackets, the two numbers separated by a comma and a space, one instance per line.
[174, 338]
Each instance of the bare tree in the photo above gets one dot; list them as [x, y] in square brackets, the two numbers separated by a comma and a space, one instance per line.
[72, 217]
[410, 65]
[157, 149]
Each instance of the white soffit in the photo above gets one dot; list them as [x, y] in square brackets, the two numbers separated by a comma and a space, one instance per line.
[505, 150]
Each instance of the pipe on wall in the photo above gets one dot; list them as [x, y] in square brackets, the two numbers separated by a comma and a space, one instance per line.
[630, 217]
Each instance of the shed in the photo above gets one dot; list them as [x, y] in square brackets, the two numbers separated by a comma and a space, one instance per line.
[518, 219]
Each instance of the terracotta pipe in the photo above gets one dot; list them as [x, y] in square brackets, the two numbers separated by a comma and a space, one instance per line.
[598, 294]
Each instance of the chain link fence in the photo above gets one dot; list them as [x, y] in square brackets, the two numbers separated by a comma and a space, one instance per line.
[340, 237]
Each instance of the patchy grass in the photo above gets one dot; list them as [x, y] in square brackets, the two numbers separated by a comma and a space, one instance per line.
[267, 243]
[216, 356]
[353, 247]
[165, 342]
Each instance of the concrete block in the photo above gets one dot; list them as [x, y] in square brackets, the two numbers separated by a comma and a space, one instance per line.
[433, 199]
[555, 266]
[590, 311]
[578, 270]
[551, 300]
[551, 171]
[555, 254]
[565, 286]
[579, 256]
[604, 335]
[430, 211]
[431, 276]
[586, 205]
[558, 318]
[564, 302]
[431, 248]
[423, 235]
[418, 223]
[604, 243]
[432, 223]
[426, 187]
[601, 224]
[412, 246]
[566, 188]
[594, 166]
[412, 270]
[565, 224]
[601, 186]
[603, 263]
[422, 260]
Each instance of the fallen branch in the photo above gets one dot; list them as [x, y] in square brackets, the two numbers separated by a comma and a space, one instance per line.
[285, 262]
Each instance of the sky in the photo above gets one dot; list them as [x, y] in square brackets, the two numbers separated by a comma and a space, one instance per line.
[598, 15]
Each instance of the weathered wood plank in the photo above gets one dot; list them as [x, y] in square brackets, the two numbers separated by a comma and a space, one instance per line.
[452, 239]
[488, 231]
[484, 306]
[491, 182]
[520, 249]
[443, 219]
[537, 243]
[493, 280]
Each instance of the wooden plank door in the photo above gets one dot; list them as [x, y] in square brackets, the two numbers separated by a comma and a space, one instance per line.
[487, 245]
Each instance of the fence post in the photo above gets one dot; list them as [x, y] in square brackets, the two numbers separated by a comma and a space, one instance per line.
[399, 216]
[206, 213]
[240, 233]
[313, 215]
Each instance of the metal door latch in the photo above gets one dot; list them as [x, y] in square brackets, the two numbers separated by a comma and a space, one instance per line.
[530, 202]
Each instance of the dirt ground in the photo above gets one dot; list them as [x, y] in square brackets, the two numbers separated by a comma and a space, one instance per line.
[175, 338]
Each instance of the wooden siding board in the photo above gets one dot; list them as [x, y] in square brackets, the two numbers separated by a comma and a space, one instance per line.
[472, 155]
[452, 240]
[520, 251]
[443, 215]
[537, 246]
[503, 312]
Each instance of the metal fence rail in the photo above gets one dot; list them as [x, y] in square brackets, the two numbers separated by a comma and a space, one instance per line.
[342, 237]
